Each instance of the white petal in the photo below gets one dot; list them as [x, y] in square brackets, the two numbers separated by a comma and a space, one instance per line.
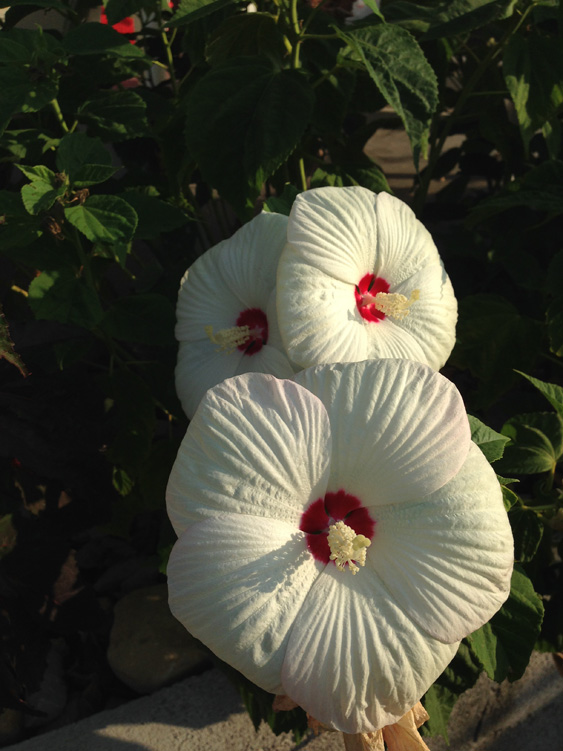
[404, 245]
[200, 367]
[448, 560]
[432, 318]
[317, 314]
[257, 446]
[237, 584]
[334, 230]
[236, 274]
[355, 661]
[399, 429]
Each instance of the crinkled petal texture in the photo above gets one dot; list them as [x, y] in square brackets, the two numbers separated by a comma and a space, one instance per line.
[236, 275]
[335, 237]
[237, 583]
[256, 446]
[355, 651]
[448, 559]
[355, 661]
[399, 429]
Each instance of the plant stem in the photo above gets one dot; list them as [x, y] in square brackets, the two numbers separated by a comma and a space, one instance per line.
[167, 44]
[59, 115]
[296, 41]
[465, 93]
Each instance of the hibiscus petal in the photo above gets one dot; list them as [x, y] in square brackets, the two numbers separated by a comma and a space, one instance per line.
[334, 230]
[317, 315]
[448, 560]
[236, 274]
[399, 429]
[432, 318]
[257, 446]
[354, 660]
[237, 584]
[404, 245]
[200, 366]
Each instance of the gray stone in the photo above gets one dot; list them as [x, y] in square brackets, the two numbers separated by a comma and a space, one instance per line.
[148, 647]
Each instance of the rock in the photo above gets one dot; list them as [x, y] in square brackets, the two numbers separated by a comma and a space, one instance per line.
[148, 647]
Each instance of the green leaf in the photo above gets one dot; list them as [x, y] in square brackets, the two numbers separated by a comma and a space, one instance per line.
[104, 219]
[245, 35]
[39, 196]
[62, 296]
[541, 189]
[493, 340]
[461, 16]
[115, 115]
[100, 39]
[533, 71]
[509, 497]
[155, 216]
[489, 441]
[17, 228]
[117, 10]
[7, 349]
[537, 443]
[192, 10]
[554, 315]
[85, 160]
[504, 645]
[438, 702]
[146, 319]
[282, 204]
[271, 110]
[552, 392]
[401, 72]
[19, 92]
[527, 530]
[344, 173]
[121, 481]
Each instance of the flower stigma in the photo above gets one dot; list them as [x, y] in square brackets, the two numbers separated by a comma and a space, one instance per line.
[229, 339]
[249, 335]
[394, 304]
[346, 547]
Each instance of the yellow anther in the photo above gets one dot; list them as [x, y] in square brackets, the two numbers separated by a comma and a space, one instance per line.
[394, 304]
[346, 547]
[229, 339]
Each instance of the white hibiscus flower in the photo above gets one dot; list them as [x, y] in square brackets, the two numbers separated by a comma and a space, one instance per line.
[226, 315]
[338, 535]
[361, 278]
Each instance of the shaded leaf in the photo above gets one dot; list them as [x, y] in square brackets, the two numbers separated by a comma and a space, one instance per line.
[397, 65]
[527, 530]
[62, 296]
[85, 160]
[155, 215]
[504, 645]
[115, 115]
[192, 10]
[98, 39]
[552, 392]
[271, 110]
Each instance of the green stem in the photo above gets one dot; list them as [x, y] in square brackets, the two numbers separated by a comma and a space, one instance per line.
[84, 258]
[465, 93]
[167, 44]
[59, 115]
[296, 41]
[546, 507]
[302, 174]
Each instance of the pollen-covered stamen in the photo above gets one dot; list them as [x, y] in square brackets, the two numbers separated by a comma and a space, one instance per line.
[229, 339]
[394, 304]
[346, 547]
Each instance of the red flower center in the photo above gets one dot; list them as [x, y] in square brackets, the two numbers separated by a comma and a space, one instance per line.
[334, 507]
[257, 322]
[365, 291]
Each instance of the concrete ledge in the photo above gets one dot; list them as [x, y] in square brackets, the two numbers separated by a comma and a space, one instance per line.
[204, 713]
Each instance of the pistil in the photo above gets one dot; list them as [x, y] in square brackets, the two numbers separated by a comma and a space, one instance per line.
[346, 547]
